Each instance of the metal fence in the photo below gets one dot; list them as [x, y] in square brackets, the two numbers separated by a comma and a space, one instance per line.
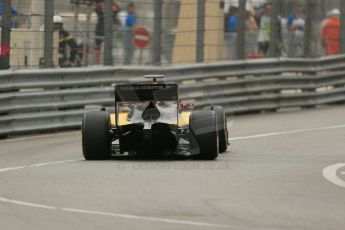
[34, 101]
[187, 31]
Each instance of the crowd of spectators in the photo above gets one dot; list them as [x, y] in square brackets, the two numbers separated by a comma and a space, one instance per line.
[71, 53]
[291, 32]
[128, 25]
[258, 20]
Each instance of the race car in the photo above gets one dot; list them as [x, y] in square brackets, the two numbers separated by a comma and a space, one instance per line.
[148, 120]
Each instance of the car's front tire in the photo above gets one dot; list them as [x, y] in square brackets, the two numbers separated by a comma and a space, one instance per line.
[203, 126]
[96, 139]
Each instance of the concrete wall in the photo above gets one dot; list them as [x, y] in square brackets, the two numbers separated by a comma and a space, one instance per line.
[185, 39]
[31, 7]
[184, 50]
[214, 35]
[27, 48]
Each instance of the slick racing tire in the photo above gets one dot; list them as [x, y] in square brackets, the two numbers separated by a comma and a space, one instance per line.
[96, 138]
[222, 127]
[203, 126]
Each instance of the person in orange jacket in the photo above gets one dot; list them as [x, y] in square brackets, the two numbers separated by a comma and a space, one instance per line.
[330, 33]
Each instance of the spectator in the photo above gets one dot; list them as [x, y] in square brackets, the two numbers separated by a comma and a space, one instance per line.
[265, 30]
[231, 33]
[14, 12]
[257, 14]
[251, 25]
[330, 33]
[130, 23]
[295, 25]
[99, 30]
[232, 22]
[251, 34]
[68, 48]
[323, 23]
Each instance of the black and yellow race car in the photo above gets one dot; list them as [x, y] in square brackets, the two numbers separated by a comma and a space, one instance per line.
[148, 120]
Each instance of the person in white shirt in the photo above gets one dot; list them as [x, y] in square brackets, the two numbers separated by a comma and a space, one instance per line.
[265, 30]
[295, 25]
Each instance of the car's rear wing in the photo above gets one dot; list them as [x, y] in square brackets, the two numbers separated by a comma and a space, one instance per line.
[146, 92]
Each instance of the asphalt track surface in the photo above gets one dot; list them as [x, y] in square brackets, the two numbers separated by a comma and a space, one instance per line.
[283, 171]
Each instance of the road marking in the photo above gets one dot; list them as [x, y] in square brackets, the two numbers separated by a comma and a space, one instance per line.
[99, 213]
[40, 165]
[152, 219]
[286, 132]
[22, 203]
[12, 168]
[55, 162]
[40, 137]
[230, 139]
[330, 173]
[111, 214]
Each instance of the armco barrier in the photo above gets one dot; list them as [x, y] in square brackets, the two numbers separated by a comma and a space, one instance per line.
[53, 99]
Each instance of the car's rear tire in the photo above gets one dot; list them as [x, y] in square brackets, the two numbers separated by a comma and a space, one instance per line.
[222, 125]
[96, 139]
[203, 126]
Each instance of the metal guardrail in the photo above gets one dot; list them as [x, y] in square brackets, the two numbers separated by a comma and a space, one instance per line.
[53, 99]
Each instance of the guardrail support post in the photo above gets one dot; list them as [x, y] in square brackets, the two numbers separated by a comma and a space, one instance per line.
[76, 19]
[274, 36]
[5, 47]
[48, 33]
[157, 32]
[241, 37]
[308, 31]
[200, 34]
[108, 33]
[342, 27]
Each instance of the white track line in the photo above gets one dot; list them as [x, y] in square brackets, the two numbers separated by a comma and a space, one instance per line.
[22, 203]
[40, 165]
[230, 139]
[12, 168]
[99, 213]
[286, 132]
[154, 219]
[55, 162]
[111, 214]
[16, 139]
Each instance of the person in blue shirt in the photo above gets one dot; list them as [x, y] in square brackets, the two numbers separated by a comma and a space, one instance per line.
[99, 8]
[295, 25]
[232, 23]
[231, 33]
[130, 23]
[14, 12]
